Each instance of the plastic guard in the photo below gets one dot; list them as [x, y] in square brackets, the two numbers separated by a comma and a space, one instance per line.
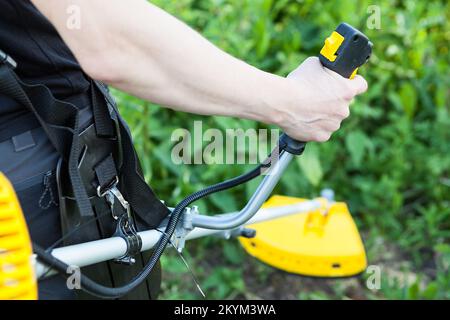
[310, 244]
[17, 278]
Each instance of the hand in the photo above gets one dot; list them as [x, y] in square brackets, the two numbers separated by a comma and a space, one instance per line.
[321, 104]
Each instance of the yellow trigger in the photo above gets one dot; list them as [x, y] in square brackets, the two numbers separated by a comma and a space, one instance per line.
[354, 73]
[332, 44]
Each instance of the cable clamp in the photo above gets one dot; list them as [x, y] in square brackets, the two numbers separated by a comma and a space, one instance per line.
[183, 228]
[125, 229]
[6, 59]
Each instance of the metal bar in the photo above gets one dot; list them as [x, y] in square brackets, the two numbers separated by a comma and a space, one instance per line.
[231, 221]
[89, 253]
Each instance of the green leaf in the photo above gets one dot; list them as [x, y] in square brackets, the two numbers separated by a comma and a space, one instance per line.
[431, 291]
[356, 143]
[441, 95]
[442, 248]
[233, 253]
[408, 97]
[310, 164]
[413, 291]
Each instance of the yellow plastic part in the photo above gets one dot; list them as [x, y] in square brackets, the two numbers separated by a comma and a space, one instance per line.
[332, 44]
[313, 244]
[353, 73]
[17, 278]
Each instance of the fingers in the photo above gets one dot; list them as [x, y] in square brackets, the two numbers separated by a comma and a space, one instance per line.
[358, 84]
[311, 65]
[323, 102]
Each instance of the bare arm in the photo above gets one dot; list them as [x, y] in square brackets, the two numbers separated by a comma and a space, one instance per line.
[138, 48]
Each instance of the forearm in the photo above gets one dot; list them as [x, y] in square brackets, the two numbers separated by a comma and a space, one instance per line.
[138, 48]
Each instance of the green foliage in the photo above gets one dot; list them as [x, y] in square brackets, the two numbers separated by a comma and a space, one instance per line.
[391, 159]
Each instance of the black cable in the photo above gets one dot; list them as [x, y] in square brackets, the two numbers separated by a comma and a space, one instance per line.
[107, 292]
[68, 235]
[74, 230]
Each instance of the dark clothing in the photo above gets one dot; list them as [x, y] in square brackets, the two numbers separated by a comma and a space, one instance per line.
[42, 58]
[41, 55]
[28, 158]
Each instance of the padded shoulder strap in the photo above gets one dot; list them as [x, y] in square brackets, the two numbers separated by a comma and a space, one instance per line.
[59, 119]
[148, 208]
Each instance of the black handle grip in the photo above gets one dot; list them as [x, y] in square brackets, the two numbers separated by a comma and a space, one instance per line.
[345, 50]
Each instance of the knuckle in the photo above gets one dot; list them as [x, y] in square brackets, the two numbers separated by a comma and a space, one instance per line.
[322, 137]
[342, 112]
[363, 83]
[336, 126]
[312, 59]
[347, 96]
[326, 137]
[348, 93]
[345, 112]
[332, 125]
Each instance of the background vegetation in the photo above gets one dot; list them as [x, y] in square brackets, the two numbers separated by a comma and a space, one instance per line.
[390, 162]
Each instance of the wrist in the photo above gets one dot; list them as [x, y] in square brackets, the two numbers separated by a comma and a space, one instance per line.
[283, 93]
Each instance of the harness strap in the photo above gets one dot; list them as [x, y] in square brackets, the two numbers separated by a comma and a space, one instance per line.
[106, 173]
[148, 208]
[62, 127]
[61, 122]
[102, 118]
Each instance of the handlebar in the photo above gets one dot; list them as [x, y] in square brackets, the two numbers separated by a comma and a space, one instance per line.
[344, 51]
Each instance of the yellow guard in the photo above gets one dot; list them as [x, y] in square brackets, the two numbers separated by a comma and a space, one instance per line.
[313, 244]
[17, 279]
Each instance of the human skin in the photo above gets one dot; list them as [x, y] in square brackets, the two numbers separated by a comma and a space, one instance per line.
[138, 48]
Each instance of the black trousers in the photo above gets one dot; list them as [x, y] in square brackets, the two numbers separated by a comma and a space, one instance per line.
[29, 161]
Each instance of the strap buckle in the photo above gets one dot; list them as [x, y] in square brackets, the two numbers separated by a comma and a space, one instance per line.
[112, 193]
[125, 225]
[6, 59]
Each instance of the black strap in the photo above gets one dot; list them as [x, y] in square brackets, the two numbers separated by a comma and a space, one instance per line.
[106, 173]
[26, 121]
[102, 118]
[148, 208]
[62, 127]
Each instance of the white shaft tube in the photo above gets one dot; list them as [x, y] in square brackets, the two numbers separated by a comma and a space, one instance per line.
[93, 252]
